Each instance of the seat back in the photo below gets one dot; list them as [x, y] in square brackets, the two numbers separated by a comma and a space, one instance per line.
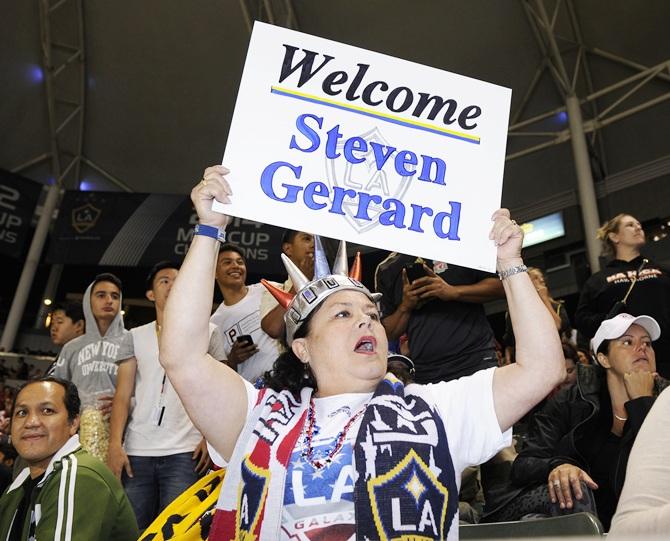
[584, 524]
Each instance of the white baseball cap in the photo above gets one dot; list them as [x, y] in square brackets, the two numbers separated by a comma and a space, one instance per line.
[409, 363]
[618, 325]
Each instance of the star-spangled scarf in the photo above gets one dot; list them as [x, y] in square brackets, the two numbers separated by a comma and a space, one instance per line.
[405, 482]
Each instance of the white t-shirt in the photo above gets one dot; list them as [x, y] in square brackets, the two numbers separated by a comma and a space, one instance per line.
[320, 500]
[144, 435]
[243, 318]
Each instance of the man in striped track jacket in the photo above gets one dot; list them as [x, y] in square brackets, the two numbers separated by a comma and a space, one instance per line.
[64, 493]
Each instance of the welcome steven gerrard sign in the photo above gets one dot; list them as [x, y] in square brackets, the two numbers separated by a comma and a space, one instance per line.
[357, 145]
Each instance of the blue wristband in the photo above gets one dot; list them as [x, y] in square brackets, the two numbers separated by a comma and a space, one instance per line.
[210, 231]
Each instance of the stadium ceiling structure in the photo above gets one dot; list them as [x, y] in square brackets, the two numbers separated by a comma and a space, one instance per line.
[87, 82]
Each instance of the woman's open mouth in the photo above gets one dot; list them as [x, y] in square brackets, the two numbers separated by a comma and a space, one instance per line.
[366, 345]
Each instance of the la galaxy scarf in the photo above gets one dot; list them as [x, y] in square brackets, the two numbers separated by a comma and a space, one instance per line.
[405, 484]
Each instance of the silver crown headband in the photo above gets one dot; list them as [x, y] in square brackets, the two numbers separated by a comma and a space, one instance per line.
[311, 293]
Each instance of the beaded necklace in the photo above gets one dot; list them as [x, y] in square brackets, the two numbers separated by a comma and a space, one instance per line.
[307, 449]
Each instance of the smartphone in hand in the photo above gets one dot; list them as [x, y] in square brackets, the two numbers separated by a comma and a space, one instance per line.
[415, 271]
[245, 340]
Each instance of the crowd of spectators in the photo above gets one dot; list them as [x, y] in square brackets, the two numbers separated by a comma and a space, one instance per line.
[569, 453]
[21, 369]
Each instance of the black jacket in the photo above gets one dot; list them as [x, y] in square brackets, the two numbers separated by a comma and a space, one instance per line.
[557, 430]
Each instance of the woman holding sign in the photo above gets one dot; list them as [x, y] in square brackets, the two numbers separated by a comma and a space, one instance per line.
[335, 444]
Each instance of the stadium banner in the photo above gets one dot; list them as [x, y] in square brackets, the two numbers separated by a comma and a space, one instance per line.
[361, 146]
[139, 229]
[18, 199]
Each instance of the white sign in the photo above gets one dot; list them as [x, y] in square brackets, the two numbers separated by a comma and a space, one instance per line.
[361, 146]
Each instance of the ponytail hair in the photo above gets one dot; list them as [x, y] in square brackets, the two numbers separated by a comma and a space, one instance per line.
[604, 231]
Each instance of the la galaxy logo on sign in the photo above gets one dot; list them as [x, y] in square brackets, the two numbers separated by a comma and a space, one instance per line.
[367, 177]
[85, 217]
[410, 485]
[356, 145]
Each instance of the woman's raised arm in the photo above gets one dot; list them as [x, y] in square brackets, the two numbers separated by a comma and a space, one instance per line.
[213, 394]
[539, 363]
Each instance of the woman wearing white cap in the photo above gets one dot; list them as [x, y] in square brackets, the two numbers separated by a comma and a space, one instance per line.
[334, 447]
[579, 443]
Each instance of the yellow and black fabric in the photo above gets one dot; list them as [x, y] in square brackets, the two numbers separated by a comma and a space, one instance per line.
[189, 517]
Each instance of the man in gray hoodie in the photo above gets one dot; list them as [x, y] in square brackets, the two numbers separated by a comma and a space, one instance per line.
[89, 361]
